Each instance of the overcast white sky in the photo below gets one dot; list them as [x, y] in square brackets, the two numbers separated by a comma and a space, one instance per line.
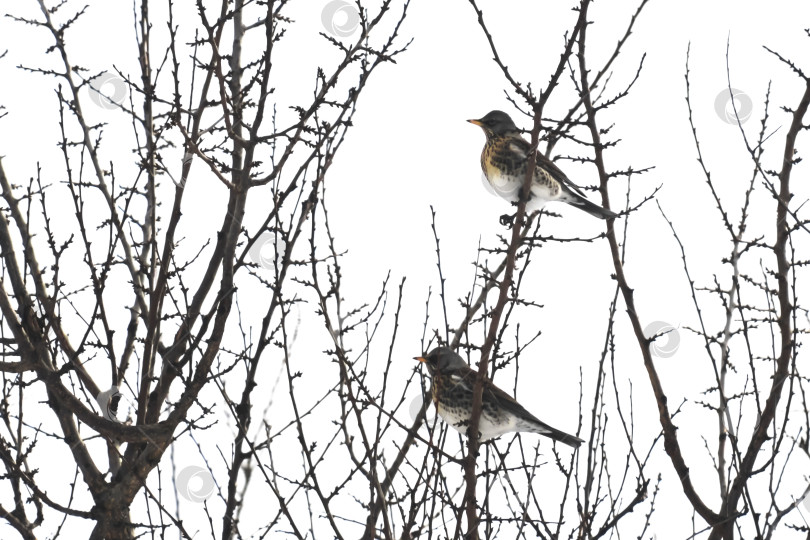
[411, 148]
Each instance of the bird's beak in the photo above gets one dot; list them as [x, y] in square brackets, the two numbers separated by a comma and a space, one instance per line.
[476, 122]
[420, 358]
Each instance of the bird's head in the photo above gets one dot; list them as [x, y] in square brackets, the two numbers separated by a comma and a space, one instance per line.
[496, 123]
[442, 359]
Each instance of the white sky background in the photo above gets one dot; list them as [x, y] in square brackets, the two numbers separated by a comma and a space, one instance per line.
[411, 148]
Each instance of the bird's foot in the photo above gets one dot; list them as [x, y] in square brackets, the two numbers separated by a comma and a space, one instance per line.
[507, 220]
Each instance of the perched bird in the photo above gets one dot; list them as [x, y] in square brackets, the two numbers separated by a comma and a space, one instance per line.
[452, 390]
[504, 160]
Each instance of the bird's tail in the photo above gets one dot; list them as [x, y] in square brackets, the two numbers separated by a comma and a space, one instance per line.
[593, 209]
[557, 435]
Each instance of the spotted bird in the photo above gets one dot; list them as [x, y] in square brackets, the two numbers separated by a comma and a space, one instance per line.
[504, 161]
[452, 391]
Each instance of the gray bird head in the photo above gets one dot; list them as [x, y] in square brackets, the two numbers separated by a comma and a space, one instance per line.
[496, 123]
[442, 359]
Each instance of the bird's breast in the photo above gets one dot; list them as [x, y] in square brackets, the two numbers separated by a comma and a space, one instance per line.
[500, 172]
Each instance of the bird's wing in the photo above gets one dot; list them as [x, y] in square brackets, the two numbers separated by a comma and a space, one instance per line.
[501, 399]
[498, 396]
[511, 405]
[492, 393]
[521, 147]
